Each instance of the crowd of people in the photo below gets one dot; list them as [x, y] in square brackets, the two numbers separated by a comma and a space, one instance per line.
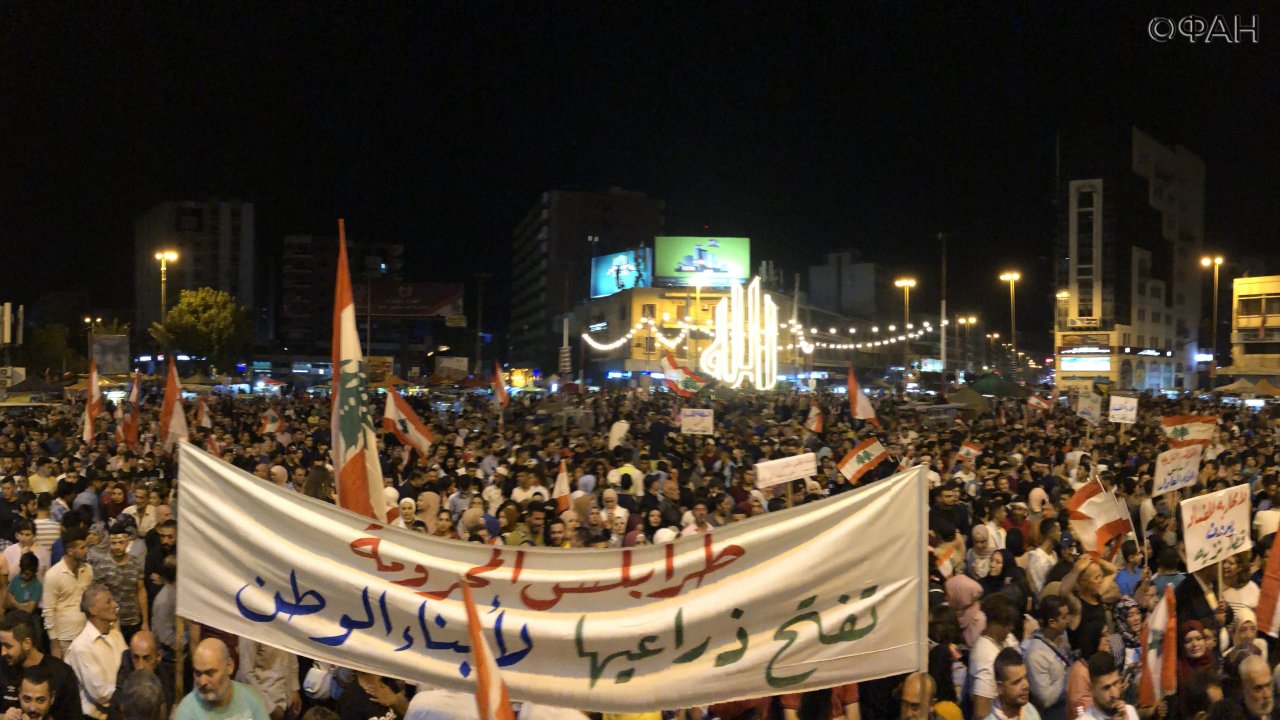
[1022, 624]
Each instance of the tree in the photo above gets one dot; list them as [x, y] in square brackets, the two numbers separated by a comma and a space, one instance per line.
[205, 322]
[47, 350]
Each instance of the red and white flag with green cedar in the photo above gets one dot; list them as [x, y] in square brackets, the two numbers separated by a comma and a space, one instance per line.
[969, 450]
[1190, 429]
[173, 417]
[92, 403]
[400, 420]
[679, 379]
[815, 421]
[1035, 402]
[859, 405]
[355, 447]
[862, 458]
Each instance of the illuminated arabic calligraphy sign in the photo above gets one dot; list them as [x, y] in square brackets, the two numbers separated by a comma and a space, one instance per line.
[746, 344]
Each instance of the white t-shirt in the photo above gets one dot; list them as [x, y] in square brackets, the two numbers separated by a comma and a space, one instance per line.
[1039, 563]
[982, 665]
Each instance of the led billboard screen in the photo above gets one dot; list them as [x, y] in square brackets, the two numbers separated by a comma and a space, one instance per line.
[619, 271]
[704, 261]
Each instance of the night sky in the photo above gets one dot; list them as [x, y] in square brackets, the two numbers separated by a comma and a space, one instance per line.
[807, 127]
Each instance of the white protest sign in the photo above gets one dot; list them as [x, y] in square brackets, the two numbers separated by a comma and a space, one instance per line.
[697, 421]
[1215, 526]
[722, 616]
[1090, 407]
[1124, 409]
[1176, 469]
[776, 472]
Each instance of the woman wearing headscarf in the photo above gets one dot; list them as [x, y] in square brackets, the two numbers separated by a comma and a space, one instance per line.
[963, 594]
[652, 523]
[1126, 642]
[978, 560]
[610, 507]
[1195, 650]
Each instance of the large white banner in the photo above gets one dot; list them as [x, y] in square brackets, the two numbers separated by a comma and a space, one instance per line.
[816, 596]
[1176, 469]
[1215, 526]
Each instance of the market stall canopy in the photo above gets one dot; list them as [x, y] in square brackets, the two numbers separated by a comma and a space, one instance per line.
[391, 381]
[1238, 387]
[998, 386]
[35, 384]
[969, 398]
[1264, 387]
[198, 379]
[83, 384]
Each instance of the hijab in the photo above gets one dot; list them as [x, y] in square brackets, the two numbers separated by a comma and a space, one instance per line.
[992, 584]
[963, 594]
[1188, 667]
[428, 516]
[1130, 638]
[980, 562]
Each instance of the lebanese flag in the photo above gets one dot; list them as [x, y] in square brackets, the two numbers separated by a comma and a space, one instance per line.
[560, 493]
[969, 450]
[355, 446]
[499, 387]
[492, 700]
[204, 418]
[859, 405]
[1096, 518]
[1035, 402]
[862, 458]
[681, 380]
[132, 419]
[400, 420]
[173, 418]
[1268, 607]
[213, 446]
[1185, 430]
[1160, 651]
[270, 422]
[814, 422]
[92, 403]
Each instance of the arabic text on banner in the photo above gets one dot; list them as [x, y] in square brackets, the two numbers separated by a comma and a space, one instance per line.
[697, 421]
[709, 618]
[1176, 469]
[1090, 407]
[1124, 409]
[776, 472]
[1215, 526]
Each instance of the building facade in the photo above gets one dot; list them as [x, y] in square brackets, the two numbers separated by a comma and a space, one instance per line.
[1255, 326]
[551, 261]
[1130, 230]
[214, 240]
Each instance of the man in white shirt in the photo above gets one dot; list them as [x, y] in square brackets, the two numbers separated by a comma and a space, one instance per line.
[1045, 555]
[1002, 616]
[64, 587]
[96, 654]
[1013, 693]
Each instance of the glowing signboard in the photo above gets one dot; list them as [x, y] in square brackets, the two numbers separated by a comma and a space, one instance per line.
[746, 345]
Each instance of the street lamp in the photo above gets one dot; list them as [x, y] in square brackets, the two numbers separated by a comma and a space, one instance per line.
[1012, 278]
[965, 322]
[89, 324]
[991, 348]
[906, 284]
[1214, 262]
[165, 257]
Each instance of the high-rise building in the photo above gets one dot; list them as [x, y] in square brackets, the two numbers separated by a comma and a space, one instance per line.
[1127, 253]
[845, 285]
[214, 240]
[551, 260]
[308, 267]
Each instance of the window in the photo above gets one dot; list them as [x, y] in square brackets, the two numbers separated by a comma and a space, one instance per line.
[1142, 314]
[1272, 306]
[1250, 306]
[1142, 340]
[649, 310]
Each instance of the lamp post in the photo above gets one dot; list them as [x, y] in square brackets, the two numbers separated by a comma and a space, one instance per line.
[89, 324]
[965, 322]
[1214, 262]
[1012, 278]
[165, 257]
[991, 348]
[906, 284]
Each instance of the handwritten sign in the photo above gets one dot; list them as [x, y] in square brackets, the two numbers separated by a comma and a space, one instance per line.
[697, 421]
[710, 618]
[1124, 409]
[776, 472]
[1090, 407]
[1215, 526]
[1176, 469]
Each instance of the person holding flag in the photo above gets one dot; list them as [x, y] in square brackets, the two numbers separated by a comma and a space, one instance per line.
[814, 423]
[859, 405]
[173, 417]
[400, 420]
